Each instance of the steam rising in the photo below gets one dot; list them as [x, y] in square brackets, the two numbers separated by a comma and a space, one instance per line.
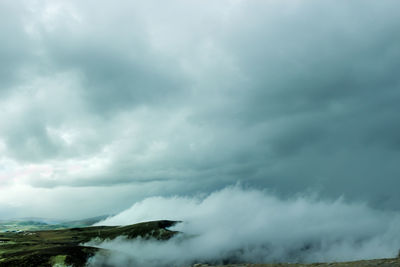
[248, 225]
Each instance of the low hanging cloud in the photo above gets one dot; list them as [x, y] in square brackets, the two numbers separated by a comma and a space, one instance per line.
[249, 225]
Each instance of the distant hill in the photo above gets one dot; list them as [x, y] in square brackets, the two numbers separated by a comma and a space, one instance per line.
[37, 224]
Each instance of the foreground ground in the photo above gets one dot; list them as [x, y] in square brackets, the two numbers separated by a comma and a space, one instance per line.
[62, 247]
[55, 248]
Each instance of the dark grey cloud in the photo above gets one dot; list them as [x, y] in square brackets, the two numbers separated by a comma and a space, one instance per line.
[30, 141]
[119, 70]
[294, 97]
[14, 52]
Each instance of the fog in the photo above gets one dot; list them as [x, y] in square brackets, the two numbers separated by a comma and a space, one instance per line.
[239, 224]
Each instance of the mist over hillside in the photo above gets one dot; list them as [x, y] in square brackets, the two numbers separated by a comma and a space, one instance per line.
[237, 225]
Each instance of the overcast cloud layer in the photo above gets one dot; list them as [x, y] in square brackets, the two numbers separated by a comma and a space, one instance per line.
[103, 104]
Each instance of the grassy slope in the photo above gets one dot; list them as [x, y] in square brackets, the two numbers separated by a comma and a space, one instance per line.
[41, 248]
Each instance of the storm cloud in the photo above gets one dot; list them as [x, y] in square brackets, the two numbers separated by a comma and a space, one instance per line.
[132, 99]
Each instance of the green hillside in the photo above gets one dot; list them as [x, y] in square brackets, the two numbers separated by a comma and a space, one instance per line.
[46, 248]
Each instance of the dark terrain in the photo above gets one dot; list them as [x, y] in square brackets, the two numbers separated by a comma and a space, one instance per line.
[63, 247]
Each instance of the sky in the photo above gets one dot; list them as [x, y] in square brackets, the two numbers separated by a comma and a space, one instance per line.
[106, 103]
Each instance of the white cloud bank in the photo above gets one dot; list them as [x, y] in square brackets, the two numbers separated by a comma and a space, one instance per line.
[247, 225]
